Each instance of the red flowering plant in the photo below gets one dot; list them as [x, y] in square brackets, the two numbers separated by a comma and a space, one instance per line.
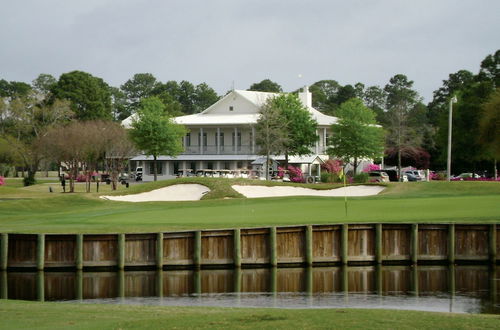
[295, 174]
[2, 180]
[371, 167]
[334, 168]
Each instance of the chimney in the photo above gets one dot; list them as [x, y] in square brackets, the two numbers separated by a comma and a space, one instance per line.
[306, 97]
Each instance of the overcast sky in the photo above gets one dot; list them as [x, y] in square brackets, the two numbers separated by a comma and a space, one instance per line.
[221, 41]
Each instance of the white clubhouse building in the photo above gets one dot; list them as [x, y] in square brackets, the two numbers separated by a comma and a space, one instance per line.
[223, 138]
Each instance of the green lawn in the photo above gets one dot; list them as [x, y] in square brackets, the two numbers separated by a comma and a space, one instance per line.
[34, 209]
[30, 315]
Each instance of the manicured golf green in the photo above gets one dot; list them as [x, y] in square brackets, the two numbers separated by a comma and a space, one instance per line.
[30, 315]
[35, 209]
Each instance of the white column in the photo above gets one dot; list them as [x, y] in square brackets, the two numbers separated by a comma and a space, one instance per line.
[317, 144]
[217, 139]
[201, 141]
[253, 140]
[324, 141]
[235, 146]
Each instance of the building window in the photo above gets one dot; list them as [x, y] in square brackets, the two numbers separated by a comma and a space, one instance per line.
[193, 166]
[237, 141]
[231, 108]
[159, 169]
[188, 139]
[210, 166]
[204, 139]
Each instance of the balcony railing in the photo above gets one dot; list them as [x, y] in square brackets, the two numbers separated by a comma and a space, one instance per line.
[222, 150]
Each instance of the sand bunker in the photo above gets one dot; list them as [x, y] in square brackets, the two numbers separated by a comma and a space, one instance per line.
[178, 192]
[280, 191]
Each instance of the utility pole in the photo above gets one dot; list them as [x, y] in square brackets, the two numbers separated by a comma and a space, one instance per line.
[450, 116]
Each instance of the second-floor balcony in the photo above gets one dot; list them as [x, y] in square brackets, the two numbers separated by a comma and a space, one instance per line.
[221, 150]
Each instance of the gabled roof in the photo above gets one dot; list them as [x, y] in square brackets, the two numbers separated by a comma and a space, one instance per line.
[244, 115]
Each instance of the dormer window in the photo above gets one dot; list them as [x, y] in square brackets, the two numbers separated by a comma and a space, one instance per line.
[231, 108]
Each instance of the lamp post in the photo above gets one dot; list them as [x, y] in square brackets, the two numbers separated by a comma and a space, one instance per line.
[450, 116]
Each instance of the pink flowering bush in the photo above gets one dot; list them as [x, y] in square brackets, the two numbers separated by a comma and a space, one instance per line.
[2, 180]
[371, 167]
[333, 168]
[295, 174]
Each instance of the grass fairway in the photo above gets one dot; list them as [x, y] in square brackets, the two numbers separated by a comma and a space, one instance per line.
[30, 315]
[34, 209]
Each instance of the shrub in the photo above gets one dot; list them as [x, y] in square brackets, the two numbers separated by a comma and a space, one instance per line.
[296, 174]
[371, 167]
[361, 177]
[2, 180]
[29, 181]
[333, 167]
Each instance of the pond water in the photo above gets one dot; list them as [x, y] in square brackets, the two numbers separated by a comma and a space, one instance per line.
[459, 289]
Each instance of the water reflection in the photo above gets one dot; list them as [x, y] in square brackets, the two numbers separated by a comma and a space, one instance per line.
[472, 289]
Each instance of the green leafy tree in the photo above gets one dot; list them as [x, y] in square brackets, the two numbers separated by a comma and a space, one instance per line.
[356, 135]
[324, 93]
[14, 89]
[301, 126]
[141, 85]
[489, 128]
[266, 85]
[43, 84]
[90, 96]
[271, 132]
[204, 96]
[155, 133]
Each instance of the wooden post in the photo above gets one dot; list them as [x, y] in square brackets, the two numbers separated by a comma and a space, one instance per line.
[40, 286]
[273, 257]
[4, 289]
[309, 245]
[345, 280]
[378, 243]
[197, 281]
[237, 248]
[237, 280]
[121, 251]
[378, 279]
[345, 244]
[4, 251]
[79, 285]
[159, 251]
[309, 281]
[159, 282]
[197, 249]
[493, 243]
[79, 252]
[414, 280]
[451, 243]
[414, 244]
[121, 283]
[274, 280]
[40, 252]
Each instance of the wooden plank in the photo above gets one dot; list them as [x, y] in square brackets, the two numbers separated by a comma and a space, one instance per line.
[219, 248]
[378, 243]
[471, 241]
[290, 245]
[60, 250]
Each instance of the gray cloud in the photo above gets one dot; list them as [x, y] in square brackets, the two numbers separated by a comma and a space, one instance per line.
[246, 41]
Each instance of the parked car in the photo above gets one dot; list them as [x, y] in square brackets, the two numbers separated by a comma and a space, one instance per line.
[463, 176]
[393, 175]
[378, 176]
[413, 175]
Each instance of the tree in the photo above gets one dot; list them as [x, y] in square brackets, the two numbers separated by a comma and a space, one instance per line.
[29, 122]
[141, 85]
[266, 85]
[324, 93]
[204, 96]
[14, 89]
[118, 104]
[355, 136]
[271, 132]
[89, 96]
[155, 133]
[119, 149]
[43, 84]
[401, 100]
[374, 98]
[489, 127]
[301, 126]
